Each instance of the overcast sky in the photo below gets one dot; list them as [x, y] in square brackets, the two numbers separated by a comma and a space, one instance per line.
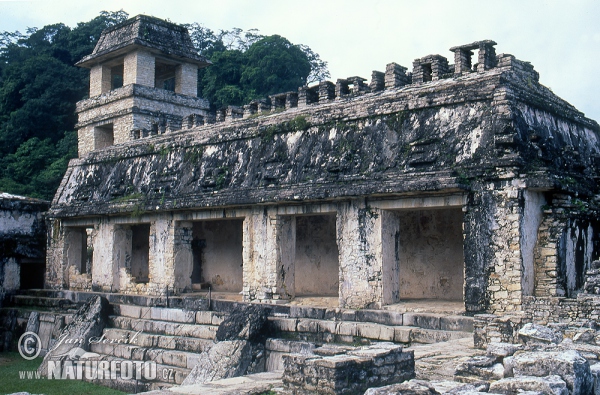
[560, 38]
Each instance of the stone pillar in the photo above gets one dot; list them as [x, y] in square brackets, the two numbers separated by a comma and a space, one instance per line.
[493, 249]
[341, 88]
[110, 252]
[100, 80]
[395, 76]
[123, 258]
[326, 91]
[260, 255]
[186, 79]
[139, 68]
[547, 266]
[487, 56]
[161, 257]
[183, 258]
[377, 81]
[307, 95]
[291, 100]
[390, 244]
[56, 276]
[285, 239]
[462, 60]
[361, 256]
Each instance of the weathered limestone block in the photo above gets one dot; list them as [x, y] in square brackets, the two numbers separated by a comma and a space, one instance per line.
[226, 359]
[552, 385]
[87, 323]
[501, 350]
[533, 333]
[244, 323]
[569, 365]
[347, 372]
[479, 368]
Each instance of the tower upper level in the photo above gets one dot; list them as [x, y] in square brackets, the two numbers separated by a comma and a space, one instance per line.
[146, 51]
[143, 81]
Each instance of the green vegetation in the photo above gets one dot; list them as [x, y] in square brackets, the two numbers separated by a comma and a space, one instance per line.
[248, 65]
[39, 86]
[11, 364]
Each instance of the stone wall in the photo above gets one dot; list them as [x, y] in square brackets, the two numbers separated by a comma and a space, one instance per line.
[219, 254]
[22, 240]
[330, 370]
[431, 254]
[316, 256]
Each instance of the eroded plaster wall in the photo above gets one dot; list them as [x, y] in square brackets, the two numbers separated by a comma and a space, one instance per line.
[316, 256]
[221, 257]
[431, 254]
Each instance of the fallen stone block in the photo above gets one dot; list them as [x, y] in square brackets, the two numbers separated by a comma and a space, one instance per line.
[551, 385]
[532, 333]
[501, 350]
[569, 365]
[479, 368]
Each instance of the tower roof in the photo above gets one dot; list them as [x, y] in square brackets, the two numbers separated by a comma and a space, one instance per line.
[152, 33]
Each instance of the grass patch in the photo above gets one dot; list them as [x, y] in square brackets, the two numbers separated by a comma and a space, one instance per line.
[11, 364]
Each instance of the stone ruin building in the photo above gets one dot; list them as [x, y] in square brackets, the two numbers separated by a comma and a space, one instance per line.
[22, 243]
[469, 182]
[466, 184]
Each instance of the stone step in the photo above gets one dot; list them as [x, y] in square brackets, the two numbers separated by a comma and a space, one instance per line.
[175, 358]
[152, 340]
[178, 315]
[199, 331]
[42, 302]
[350, 331]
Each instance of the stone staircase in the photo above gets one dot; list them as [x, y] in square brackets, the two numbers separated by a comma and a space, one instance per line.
[172, 332]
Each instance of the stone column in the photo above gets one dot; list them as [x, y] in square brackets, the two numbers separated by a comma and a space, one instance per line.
[285, 234]
[100, 80]
[139, 68]
[186, 79]
[493, 230]
[56, 276]
[183, 258]
[110, 251]
[260, 255]
[390, 244]
[161, 265]
[123, 257]
[363, 249]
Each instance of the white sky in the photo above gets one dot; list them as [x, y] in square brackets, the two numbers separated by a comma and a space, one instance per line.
[560, 38]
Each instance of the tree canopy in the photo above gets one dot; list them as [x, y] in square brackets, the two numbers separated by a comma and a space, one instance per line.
[248, 65]
[39, 87]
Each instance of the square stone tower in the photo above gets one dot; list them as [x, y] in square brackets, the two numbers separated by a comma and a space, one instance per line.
[143, 81]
